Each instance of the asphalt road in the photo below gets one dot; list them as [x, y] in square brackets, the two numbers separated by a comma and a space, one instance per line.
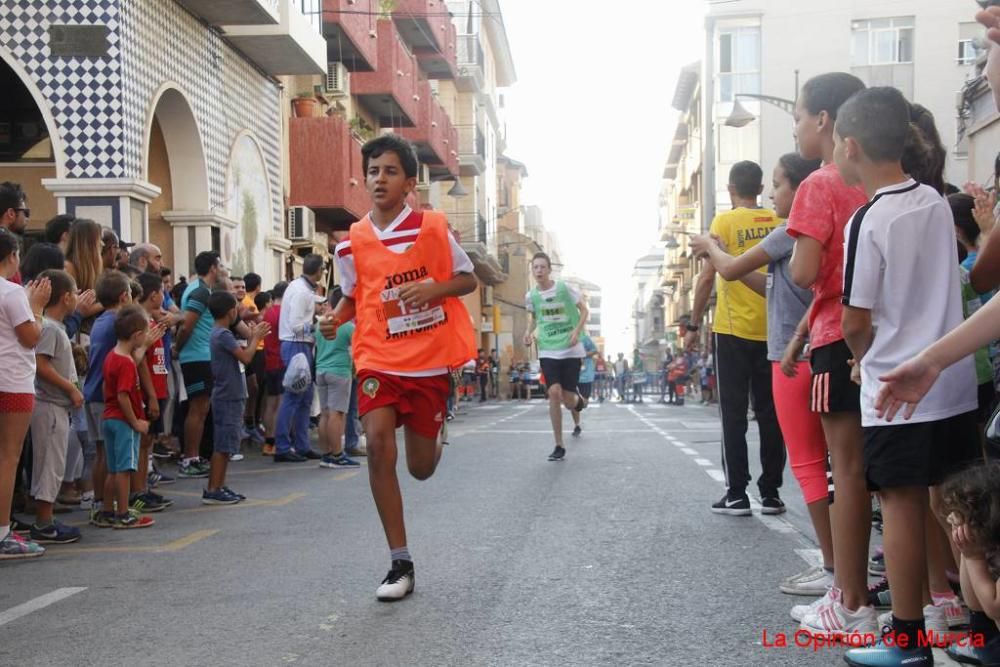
[609, 558]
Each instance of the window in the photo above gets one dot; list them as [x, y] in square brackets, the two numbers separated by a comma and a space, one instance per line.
[739, 62]
[313, 10]
[969, 43]
[882, 42]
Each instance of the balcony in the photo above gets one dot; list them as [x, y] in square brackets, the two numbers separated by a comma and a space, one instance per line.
[326, 172]
[290, 46]
[434, 136]
[425, 25]
[471, 150]
[471, 64]
[390, 92]
[234, 12]
[350, 33]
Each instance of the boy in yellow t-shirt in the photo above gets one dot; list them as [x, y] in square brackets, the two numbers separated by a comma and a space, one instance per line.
[740, 347]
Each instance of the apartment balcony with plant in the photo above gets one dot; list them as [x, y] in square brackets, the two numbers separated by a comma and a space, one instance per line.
[326, 171]
[471, 64]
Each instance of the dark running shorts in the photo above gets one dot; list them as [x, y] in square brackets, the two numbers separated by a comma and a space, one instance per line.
[832, 388]
[563, 372]
[920, 454]
[197, 378]
[584, 389]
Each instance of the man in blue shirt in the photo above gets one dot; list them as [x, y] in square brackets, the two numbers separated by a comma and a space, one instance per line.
[195, 356]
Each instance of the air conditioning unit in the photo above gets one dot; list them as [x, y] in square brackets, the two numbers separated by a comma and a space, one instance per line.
[336, 82]
[423, 177]
[488, 296]
[301, 224]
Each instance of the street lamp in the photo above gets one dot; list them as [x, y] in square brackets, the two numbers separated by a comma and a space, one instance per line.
[457, 191]
[740, 117]
[672, 243]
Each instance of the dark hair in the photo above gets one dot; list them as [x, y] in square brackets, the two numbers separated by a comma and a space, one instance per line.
[312, 265]
[62, 284]
[879, 120]
[41, 257]
[57, 226]
[11, 196]
[962, 206]
[135, 288]
[541, 255]
[235, 278]
[150, 284]
[110, 287]
[797, 168]
[130, 320]
[746, 178]
[391, 143]
[924, 156]
[262, 300]
[827, 92]
[165, 271]
[336, 294]
[177, 293]
[204, 262]
[220, 303]
[8, 243]
[252, 282]
[278, 291]
[109, 237]
[974, 496]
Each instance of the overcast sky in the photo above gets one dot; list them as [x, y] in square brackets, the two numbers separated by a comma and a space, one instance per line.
[590, 116]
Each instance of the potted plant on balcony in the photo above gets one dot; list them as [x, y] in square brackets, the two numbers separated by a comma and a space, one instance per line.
[304, 105]
[361, 130]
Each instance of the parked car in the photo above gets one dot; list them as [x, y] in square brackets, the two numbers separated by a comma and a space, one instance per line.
[533, 380]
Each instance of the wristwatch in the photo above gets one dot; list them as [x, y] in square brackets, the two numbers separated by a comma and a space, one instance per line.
[691, 327]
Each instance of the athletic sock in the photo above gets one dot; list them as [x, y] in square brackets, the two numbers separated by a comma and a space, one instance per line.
[188, 461]
[979, 624]
[4, 531]
[911, 630]
[401, 553]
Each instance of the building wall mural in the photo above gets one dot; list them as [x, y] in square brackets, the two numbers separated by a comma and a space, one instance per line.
[248, 203]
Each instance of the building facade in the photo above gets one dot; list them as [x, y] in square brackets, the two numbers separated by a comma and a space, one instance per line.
[923, 47]
[159, 119]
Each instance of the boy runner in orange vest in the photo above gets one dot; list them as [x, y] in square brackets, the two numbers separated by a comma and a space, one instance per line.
[401, 273]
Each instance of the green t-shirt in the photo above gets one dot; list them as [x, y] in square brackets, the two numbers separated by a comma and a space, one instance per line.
[334, 356]
[970, 304]
[557, 317]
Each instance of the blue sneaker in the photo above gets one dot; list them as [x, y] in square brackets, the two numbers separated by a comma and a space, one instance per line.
[883, 655]
[965, 653]
[239, 496]
[339, 461]
[218, 497]
[54, 533]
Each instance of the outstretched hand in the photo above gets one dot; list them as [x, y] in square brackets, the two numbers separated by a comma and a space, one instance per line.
[904, 387]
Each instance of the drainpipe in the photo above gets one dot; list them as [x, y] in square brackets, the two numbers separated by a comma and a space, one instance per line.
[708, 118]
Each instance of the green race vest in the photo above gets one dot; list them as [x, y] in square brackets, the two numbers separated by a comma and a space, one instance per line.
[557, 318]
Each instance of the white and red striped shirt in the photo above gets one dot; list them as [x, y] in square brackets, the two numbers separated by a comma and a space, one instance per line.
[399, 236]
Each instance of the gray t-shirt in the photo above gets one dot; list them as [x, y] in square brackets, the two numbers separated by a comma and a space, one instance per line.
[54, 344]
[787, 303]
[228, 381]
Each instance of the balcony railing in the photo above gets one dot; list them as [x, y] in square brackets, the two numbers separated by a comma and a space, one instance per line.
[481, 228]
[472, 150]
[471, 64]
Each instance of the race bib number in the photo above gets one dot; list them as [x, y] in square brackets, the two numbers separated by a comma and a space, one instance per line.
[403, 319]
[554, 314]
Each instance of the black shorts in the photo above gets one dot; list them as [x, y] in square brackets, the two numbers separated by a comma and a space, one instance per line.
[832, 387]
[563, 372]
[584, 389]
[197, 378]
[920, 454]
[256, 365]
[159, 427]
[987, 400]
[275, 382]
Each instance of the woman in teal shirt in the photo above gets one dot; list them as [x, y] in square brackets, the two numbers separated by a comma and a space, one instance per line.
[334, 373]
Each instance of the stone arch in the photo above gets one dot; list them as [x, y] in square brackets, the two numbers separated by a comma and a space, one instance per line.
[58, 149]
[171, 108]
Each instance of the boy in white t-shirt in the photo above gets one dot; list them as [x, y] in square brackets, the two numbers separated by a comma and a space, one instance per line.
[901, 293]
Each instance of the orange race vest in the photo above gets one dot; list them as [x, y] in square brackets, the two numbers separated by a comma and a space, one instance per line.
[388, 335]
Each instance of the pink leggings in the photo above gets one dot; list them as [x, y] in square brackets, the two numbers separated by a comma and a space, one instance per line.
[801, 429]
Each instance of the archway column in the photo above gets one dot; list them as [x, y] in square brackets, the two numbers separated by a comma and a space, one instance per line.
[194, 232]
[119, 203]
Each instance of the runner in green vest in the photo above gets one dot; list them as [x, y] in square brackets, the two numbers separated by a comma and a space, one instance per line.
[559, 313]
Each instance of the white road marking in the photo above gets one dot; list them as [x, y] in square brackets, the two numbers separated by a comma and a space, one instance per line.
[40, 602]
[703, 462]
[689, 451]
[717, 475]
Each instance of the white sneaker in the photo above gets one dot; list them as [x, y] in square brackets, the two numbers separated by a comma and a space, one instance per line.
[956, 613]
[236, 457]
[833, 619]
[799, 611]
[398, 583]
[814, 581]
